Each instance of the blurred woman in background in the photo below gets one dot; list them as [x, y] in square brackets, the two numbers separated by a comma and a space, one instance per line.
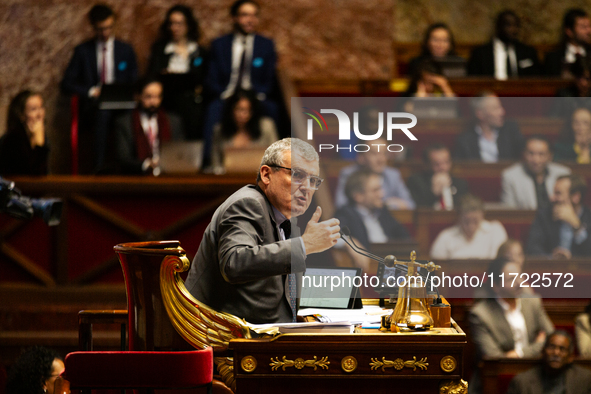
[179, 62]
[23, 147]
[242, 126]
[576, 146]
[34, 372]
[438, 45]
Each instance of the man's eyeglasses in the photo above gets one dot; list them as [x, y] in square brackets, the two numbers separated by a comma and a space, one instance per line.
[299, 176]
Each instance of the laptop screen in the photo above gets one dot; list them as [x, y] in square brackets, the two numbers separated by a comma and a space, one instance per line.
[333, 288]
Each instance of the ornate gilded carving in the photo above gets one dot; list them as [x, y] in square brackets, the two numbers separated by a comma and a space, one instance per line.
[299, 363]
[225, 367]
[448, 364]
[349, 364]
[398, 364]
[453, 387]
[248, 363]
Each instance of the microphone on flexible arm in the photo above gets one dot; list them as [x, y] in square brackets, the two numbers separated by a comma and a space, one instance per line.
[389, 261]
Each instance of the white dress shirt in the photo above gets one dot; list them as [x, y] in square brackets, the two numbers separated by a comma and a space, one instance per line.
[238, 46]
[150, 125]
[571, 52]
[489, 151]
[110, 54]
[452, 244]
[375, 232]
[177, 63]
[500, 51]
[516, 323]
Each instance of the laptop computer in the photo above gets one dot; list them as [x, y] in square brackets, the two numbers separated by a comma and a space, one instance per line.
[435, 107]
[243, 160]
[181, 157]
[117, 96]
[330, 287]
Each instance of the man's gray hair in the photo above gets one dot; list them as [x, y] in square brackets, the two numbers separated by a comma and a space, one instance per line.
[274, 154]
[477, 103]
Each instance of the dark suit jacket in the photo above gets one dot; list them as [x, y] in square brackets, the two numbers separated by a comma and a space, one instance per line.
[544, 234]
[18, 158]
[510, 143]
[482, 60]
[578, 381]
[128, 159]
[82, 72]
[262, 68]
[241, 265]
[492, 334]
[198, 64]
[420, 188]
[349, 217]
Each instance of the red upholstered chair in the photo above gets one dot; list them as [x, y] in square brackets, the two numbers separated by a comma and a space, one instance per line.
[138, 370]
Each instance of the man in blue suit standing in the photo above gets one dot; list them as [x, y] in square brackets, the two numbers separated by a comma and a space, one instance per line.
[102, 60]
[240, 60]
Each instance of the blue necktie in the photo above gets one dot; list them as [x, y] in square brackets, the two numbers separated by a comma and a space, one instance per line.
[291, 278]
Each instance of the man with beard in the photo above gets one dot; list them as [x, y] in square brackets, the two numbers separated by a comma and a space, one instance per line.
[140, 133]
[505, 56]
[556, 373]
[240, 60]
[252, 256]
[575, 44]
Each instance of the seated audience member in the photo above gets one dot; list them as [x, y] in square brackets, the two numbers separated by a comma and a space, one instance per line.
[575, 43]
[23, 147]
[438, 45]
[578, 147]
[242, 126]
[368, 219]
[556, 372]
[34, 372]
[396, 195]
[179, 58]
[473, 237]
[583, 332]
[529, 184]
[427, 81]
[241, 59]
[561, 229]
[505, 325]
[436, 187]
[511, 250]
[490, 138]
[140, 133]
[366, 215]
[102, 60]
[505, 56]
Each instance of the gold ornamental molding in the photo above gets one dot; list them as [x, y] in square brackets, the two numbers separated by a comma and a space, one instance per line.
[398, 364]
[448, 364]
[453, 387]
[248, 364]
[349, 364]
[299, 363]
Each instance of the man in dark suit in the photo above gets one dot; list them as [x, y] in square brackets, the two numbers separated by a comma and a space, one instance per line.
[562, 228]
[100, 61]
[436, 187]
[575, 44]
[491, 138]
[556, 373]
[505, 56]
[366, 214]
[139, 134]
[251, 259]
[241, 59]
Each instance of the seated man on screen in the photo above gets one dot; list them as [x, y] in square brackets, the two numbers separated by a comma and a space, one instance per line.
[436, 188]
[556, 372]
[251, 260]
[367, 217]
[396, 195]
[529, 184]
[561, 229]
[139, 134]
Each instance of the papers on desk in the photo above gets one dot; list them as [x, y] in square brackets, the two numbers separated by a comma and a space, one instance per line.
[368, 315]
[313, 327]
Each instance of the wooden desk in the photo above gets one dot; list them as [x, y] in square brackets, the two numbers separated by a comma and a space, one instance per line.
[349, 363]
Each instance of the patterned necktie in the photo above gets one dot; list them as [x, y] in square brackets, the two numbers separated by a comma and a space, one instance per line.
[291, 278]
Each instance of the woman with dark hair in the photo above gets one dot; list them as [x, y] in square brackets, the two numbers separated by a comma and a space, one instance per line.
[34, 372]
[428, 81]
[576, 144]
[23, 147]
[179, 60]
[438, 45]
[242, 126]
